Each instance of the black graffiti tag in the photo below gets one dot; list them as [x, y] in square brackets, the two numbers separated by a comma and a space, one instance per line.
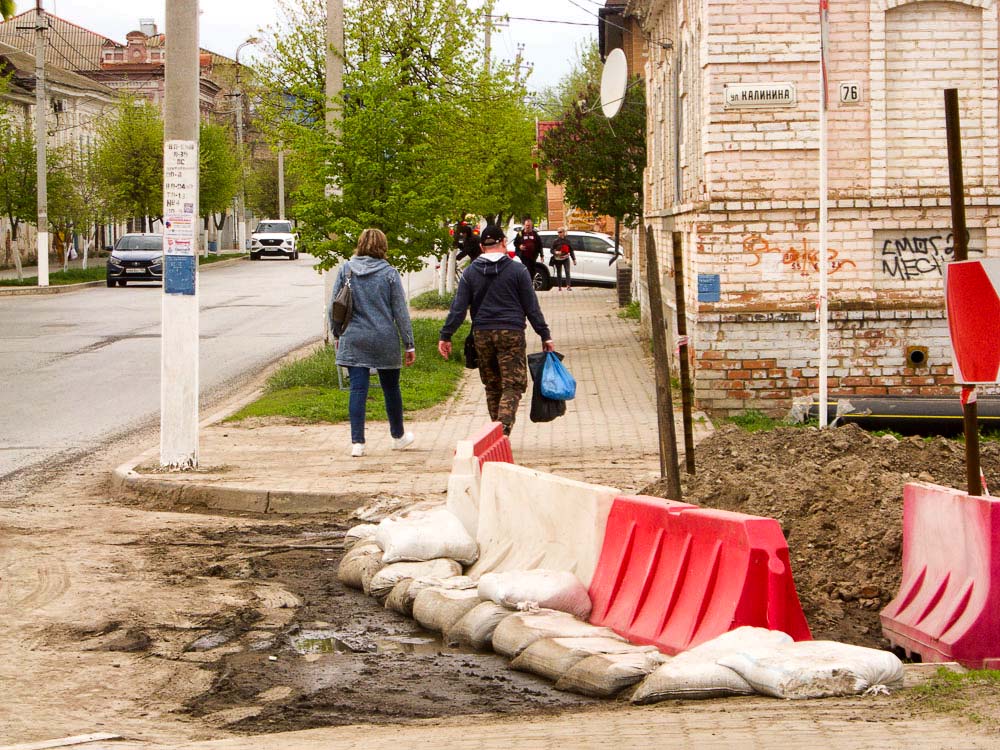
[916, 256]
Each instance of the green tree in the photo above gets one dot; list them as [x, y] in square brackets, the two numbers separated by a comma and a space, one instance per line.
[598, 161]
[7, 9]
[218, 169]
[423, 130]
[262, 189]
[18, 200]
[129, 159]
[553, 101]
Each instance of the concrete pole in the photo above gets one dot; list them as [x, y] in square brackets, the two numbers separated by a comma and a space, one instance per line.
[241, 215]
[41, 136]
[334, 111]
[179, 338]
[488, 40]
[281, 183]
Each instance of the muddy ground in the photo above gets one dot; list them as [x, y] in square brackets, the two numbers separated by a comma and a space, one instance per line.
[838, 495]
[167, 624]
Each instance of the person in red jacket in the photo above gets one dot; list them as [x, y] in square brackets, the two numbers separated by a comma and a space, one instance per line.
[559, 258]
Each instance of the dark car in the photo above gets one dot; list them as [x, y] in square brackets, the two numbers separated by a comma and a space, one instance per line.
[136, 257]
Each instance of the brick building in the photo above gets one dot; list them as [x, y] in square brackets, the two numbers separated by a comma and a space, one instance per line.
[732, 91]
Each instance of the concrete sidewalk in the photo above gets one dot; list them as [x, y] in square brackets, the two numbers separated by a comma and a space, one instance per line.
[607, 436]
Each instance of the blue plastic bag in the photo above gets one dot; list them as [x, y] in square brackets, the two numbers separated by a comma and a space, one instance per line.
[557, 383]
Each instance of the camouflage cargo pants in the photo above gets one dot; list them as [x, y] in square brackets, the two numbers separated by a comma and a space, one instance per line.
[503, 369]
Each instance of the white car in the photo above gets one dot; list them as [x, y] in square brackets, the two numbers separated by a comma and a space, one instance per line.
[596, 259]
[274, 237]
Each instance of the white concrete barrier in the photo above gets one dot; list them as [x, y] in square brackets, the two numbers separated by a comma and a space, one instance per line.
[529, 519]
[463, 486]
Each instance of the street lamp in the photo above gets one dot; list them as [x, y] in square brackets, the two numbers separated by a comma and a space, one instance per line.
[241, 219]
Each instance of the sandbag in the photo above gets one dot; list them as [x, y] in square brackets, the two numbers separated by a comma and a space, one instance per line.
[816, 669]
[398, 599]
[553, 657]
[517, 632]
[359, 532]
[475, 628]
[427, 536]
[402, 601]
[695, 673]
[548, 589]
[361, 562]
[438, 609]
[384, 581]
[604, 675]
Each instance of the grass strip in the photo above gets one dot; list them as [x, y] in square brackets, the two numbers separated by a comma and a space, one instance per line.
[307, 389]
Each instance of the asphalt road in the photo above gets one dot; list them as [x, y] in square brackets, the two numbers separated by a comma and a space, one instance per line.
[79, 369]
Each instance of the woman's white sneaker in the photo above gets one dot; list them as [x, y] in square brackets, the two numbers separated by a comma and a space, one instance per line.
[357, 450]
[402, 442]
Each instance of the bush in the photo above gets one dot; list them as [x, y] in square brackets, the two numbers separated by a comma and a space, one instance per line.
[432, 301]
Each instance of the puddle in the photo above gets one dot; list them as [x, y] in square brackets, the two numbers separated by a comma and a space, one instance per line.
[409, 645]
[327, 641]
[320, 640]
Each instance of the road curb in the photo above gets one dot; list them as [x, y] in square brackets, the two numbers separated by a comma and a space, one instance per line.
[127, 482]
[17, 291]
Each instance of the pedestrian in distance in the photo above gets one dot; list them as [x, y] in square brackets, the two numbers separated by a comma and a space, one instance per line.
[559, 258]
[498, 290]
[371, 341]
[466, 241]
[528, 246]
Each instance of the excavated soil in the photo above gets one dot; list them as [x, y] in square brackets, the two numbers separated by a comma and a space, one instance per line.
[838, 495]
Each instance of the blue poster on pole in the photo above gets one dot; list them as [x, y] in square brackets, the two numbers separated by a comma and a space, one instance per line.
[179, 274]
[709, 287]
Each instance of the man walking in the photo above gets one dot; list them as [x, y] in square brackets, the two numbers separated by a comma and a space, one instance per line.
[528, 246]
[499, 291]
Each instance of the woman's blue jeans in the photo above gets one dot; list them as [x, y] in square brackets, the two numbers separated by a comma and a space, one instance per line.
[389, 379]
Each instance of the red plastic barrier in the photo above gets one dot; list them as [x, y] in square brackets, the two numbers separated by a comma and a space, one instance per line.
[948, 606]
[490, 444]
[675, 575]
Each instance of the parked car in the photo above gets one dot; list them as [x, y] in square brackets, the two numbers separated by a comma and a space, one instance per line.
[274, 237]
[135, 257]
[596, 259]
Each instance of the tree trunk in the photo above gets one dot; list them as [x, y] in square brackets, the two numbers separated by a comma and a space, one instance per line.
[17, 251]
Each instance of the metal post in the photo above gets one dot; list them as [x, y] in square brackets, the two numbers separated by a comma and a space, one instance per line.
[960, 233]
[822, 304]
[281, 183]
[241, 217]
[179, 339]
[41, 136]
[334, 107]
[687, 391]
[661, 358]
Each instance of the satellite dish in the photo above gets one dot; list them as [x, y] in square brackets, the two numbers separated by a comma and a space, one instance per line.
[613, 83]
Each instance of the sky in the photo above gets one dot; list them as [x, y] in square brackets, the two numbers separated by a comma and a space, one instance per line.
[549, 47]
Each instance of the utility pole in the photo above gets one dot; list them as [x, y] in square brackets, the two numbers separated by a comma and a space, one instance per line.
[241, 214]
[281, 183]
[41, 136]
[334, 105]
[488, 41]
[180, 325]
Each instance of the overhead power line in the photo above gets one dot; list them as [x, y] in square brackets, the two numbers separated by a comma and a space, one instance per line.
[546, 20]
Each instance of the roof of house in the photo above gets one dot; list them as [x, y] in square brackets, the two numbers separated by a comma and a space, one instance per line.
[22, 66]
[73, 47]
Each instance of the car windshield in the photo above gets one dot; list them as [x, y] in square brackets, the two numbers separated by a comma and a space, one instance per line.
[273, 227]
[140, 242]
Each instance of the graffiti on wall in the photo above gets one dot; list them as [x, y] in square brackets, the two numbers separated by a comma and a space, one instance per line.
[918, 253]
[798, 257]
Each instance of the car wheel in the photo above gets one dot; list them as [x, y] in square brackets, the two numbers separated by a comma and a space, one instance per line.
[122, 282]
[254, 256]
[111, 282]
[542, 281]
[295, 255]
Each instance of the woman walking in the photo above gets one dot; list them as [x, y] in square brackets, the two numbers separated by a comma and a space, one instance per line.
[371, 340]
[561, 254]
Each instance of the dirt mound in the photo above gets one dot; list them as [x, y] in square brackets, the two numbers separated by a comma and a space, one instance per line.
[838, 495]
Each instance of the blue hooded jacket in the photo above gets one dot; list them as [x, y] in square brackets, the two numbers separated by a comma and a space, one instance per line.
[380, 315]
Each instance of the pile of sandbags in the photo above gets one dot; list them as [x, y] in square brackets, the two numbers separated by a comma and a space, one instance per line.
[537, 619]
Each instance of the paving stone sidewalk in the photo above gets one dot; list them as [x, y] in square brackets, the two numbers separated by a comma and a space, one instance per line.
[607, 436]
